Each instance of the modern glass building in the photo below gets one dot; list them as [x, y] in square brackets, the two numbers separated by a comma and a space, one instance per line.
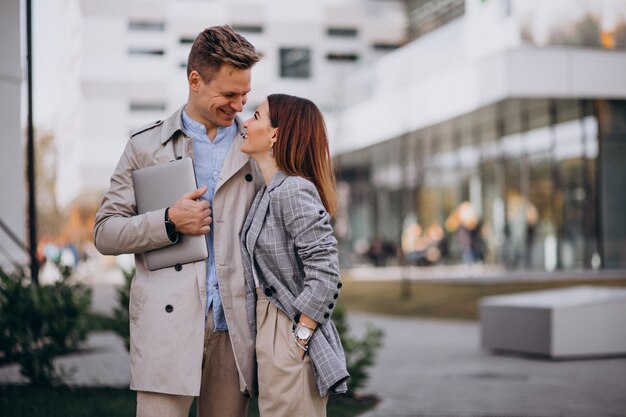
[498, 137]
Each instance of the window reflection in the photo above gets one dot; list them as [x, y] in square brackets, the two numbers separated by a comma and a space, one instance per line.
[512, 185]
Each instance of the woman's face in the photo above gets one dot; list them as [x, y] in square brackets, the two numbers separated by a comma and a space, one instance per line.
[260, 135]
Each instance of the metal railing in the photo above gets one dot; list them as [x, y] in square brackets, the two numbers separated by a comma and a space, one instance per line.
[8, 255]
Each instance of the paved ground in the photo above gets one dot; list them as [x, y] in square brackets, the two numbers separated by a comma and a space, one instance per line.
[436, 368]
[426, 368]
[103, 362]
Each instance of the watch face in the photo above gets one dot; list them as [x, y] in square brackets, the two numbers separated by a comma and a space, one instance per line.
[303, 333]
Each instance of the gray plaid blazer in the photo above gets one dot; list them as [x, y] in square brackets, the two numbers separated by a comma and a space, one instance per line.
[288, 239]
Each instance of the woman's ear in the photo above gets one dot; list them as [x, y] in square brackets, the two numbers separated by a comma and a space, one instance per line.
[274, 135]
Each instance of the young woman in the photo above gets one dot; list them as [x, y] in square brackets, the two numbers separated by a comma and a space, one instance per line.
[290, 258]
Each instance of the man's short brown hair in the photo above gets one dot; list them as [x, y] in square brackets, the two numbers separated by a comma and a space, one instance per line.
[216, 46]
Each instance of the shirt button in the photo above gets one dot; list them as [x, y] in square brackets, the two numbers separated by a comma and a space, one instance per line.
[169, 308]
[178, 267]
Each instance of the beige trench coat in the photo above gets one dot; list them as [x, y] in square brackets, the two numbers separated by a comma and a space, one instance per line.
[167, 305]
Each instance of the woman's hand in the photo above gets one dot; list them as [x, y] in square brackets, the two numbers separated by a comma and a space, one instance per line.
[303, 332]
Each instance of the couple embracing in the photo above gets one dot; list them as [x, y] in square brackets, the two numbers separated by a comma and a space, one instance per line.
[254, 318]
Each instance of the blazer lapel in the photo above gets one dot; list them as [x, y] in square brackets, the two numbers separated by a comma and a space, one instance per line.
[257, 220]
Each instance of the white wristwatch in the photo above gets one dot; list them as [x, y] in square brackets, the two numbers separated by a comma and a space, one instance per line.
[302, 332]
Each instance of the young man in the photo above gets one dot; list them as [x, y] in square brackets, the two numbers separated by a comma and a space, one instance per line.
[188, 326]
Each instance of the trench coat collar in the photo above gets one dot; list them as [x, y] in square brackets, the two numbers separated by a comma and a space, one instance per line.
[259, 208]
[172, 125]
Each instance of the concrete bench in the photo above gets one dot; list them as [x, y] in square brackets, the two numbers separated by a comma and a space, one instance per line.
[561, 323]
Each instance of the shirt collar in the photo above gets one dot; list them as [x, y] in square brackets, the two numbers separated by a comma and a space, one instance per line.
[194, 128]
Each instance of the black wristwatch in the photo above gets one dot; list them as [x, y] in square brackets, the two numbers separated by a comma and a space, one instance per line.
[170, 227]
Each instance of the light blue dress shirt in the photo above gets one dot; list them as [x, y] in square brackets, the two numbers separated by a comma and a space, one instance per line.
[208, 161]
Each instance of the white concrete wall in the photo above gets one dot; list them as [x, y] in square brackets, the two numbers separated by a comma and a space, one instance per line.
[12, 181]
[471, 62]
[111, 78]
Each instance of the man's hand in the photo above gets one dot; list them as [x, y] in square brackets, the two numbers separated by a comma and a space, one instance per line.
[190, 215]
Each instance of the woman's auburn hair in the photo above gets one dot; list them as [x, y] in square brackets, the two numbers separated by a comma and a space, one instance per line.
[301, 146]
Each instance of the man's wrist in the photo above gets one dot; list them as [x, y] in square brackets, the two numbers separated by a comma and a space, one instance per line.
[170, 228]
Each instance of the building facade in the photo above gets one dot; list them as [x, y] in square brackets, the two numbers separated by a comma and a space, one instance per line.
[493, 137]
[134, 56]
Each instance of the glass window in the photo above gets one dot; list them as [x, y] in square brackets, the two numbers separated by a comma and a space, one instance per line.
[146, 25]
[383, 47]
[541, 215]
[248, 28]
[295, 62]
[146, 51]
[147, 106]
[334, 57]
[343, 32]
[186, 40]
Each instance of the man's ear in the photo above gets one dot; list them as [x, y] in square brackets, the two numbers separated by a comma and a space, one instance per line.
[194, 80]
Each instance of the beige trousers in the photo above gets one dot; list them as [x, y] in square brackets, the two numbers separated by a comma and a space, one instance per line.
[287, 385]
[219, 388]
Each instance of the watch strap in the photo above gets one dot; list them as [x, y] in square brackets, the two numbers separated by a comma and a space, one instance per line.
[170, 227]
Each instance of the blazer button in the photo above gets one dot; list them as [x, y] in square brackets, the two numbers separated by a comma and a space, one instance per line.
[339, 284]
[248, 177]
[178, 267]
[331, 305]
[326, 315]
[169, 308]
[268, 292]
[335, 296]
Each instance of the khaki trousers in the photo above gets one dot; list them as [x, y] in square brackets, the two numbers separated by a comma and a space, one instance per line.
[287, 385]
[219, 387]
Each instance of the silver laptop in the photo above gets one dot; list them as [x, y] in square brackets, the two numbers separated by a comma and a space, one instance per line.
[158, 187]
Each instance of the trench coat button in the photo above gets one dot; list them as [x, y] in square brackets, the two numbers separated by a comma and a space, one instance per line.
[339, 284]
[335, 296]
[178, 267]
[268, 292]
[331, 305]
[169, 308]
[248, 177]
[326, 315]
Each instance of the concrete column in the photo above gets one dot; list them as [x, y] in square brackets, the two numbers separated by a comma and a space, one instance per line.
[612, 181]
[12, 180]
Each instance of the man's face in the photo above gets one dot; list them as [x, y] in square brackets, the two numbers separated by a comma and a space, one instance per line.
[216, 103]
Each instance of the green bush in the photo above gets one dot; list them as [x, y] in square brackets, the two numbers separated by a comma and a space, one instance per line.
[38, 323]
[360, 353]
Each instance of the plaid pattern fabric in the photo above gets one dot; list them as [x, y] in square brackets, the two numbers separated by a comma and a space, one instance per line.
[288, 239]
